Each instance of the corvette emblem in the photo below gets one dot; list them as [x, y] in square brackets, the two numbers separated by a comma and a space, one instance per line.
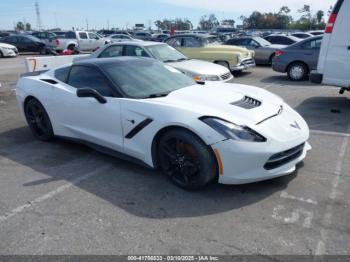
[295, 125]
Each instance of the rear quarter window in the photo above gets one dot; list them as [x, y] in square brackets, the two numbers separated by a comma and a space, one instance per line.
[62, 73]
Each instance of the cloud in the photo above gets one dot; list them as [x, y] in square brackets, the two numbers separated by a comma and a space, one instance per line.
[249, 6]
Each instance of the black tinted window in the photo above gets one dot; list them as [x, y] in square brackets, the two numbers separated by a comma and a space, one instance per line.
[86, 77]
[192, 42]
[314, 44]
[11, 39]
[83, 35]
[175, 42]
[112, 51]
[70, 35]
[135, 51]
[62, 73]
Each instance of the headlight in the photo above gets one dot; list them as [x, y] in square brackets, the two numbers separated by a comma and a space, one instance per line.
[233, 131]
[7, 48]
[205, 78]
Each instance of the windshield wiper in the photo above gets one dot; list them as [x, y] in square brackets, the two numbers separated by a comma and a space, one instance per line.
[157, 95]
[169, 61]
[182, 59]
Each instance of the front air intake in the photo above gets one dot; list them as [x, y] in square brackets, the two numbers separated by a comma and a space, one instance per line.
[247, 103]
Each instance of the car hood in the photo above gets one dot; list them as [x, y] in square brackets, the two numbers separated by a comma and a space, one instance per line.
[199, 67]
[227, 48]
[225, 101]
[6, 45]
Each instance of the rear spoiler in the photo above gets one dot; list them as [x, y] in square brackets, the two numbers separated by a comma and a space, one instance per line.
[41, 63]
[36, 73]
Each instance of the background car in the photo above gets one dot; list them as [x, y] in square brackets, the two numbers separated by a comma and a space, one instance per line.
[7, 50]
[302, 35]
[206, 47]
[198, 70]
[159, 37]
[316, 32]
[48, 38]
[142, 36]
[299, 59]
[282, 39]
[26, 43]
[121, 38]
[264, 50]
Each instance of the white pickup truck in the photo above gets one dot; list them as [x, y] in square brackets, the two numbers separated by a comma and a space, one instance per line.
[83, 40]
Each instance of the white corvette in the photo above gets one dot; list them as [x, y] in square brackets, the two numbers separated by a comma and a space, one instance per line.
[143, 110]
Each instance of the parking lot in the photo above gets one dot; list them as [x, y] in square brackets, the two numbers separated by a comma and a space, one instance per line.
[65, 198]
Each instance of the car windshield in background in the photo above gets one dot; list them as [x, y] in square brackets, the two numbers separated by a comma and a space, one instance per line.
[166, 53]
[262, 41]
[210, 41]
[146, 78]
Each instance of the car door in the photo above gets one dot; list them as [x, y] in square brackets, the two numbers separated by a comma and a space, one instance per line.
[311, 52]
[84, 117]
[84, 42]
[94, 41]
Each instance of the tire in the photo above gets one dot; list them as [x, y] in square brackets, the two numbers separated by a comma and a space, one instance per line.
[43, 51]
[71, 47]
[1, 55]
[38, 120]
[270, 59]
[223, 63]
[186, 159]
[297, 71]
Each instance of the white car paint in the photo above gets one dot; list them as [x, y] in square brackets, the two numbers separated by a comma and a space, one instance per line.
[242, 161]
[8, 50]
[191, 67]
[334, 61]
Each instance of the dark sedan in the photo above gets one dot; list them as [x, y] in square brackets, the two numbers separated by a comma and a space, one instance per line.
[282, 39]
[264, 50]
[299, 59]
[26, 43]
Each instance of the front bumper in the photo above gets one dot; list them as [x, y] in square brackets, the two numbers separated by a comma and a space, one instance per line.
[9, 52]
[242, 164]
[244, 64]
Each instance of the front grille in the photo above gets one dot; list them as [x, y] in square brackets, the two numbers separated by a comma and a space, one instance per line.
[248, 62]
[226, 76]
[284, 157]
[247, 103]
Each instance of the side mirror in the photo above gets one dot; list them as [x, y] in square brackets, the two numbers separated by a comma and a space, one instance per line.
[89, 92]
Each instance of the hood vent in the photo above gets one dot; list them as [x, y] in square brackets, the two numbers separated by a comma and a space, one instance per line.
[247, 103]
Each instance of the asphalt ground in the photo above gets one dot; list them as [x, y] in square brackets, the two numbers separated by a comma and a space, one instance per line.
[65, 198]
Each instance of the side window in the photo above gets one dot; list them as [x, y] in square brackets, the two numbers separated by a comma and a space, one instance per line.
[191, 42]
[70, 35]
[314, 44]
[86, 77]
[131, 50]
[112, 51]
[12, 39]
[83, 35]
[174, 42]
[254, 43]
[62, 73]
[93, 36]
[25, 40]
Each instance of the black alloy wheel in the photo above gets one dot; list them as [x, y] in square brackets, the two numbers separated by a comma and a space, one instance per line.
[186, 160]
[38, 120]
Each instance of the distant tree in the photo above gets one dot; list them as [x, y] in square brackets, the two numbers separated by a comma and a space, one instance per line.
[28, 27]
[319, 16]
[208, 22]
[284, 10]
[20, 26]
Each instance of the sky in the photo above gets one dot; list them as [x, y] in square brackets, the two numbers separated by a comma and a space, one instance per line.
[97, 14]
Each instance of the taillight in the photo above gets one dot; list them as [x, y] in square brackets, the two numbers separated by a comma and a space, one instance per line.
[333, 17]
[330, 24]
[279, 53]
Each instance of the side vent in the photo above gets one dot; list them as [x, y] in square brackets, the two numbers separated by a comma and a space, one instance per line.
[247, 103]
[50, 81]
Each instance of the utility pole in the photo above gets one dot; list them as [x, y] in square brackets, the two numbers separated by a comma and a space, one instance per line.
[87, 24]
[38, 18]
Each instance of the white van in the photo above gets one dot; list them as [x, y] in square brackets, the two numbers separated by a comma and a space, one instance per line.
[334, 61]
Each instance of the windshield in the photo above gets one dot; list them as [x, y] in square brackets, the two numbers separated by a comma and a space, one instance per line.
[262, 41]
[145, 78]
[165, 53]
